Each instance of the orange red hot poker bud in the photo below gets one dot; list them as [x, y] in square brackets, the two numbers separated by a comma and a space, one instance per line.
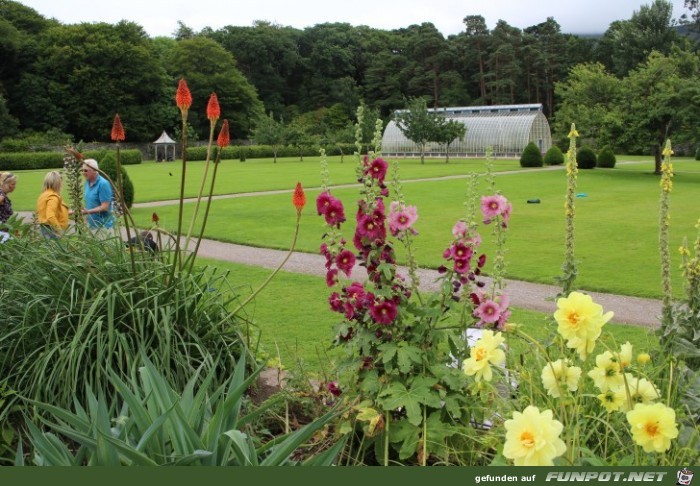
[118, 134]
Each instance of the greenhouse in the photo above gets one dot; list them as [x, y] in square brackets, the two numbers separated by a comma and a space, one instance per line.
[507, 129]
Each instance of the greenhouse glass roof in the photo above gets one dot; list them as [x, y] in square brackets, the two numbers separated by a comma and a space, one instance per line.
[507, 129]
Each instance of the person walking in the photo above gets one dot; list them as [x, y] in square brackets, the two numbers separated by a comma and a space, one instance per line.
[8, 182]
[98, 197]
[52, 213]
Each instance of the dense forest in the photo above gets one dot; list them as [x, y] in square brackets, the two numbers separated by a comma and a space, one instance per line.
[67, 81]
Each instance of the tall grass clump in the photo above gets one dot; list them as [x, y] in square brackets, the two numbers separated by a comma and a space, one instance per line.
[73, 313]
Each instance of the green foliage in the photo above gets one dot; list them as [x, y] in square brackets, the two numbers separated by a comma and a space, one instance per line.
[108, 165]
[149, 423]
[697, 154]
[606, 158]
[418, 124]
[531, 156]
[208, 67]
[74, 311]
[554, 156]
[36, 141]
[586, 158]
[54, 160]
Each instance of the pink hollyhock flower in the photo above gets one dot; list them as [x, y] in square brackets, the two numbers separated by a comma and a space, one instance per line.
[323, 201]
[488, 311]
[349, 311]
[345, 261]
[401, 217]
[383, 312]
[506, 213]
[459, 230]
[492, 206]
[482, 261]
[335, 214]
[377, 169]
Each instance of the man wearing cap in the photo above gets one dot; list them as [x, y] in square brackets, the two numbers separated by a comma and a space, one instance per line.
[98, 197]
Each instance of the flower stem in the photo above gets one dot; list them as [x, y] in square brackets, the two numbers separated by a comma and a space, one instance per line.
[267, 281]
[182, 193]
[201, 186]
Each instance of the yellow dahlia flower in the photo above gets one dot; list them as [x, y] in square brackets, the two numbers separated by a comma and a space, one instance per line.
[560, 376]
[653, 426]
[612, 400]
[625, 355]
[532, 438]
[606, 374]
[641, 391]
[485, 352]
[580, 321]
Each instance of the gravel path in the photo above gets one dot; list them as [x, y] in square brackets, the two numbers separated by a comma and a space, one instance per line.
[526, 295]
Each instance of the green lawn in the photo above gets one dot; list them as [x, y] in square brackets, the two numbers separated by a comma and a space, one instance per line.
[616, 224]
[157, 182]
[292, 317]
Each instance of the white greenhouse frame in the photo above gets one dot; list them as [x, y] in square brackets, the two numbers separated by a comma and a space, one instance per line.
[507, 129]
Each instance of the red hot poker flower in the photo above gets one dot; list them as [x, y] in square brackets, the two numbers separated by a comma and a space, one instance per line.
[183, 97]
[213, 108]
[154, 218]
[224, 137]
[299, 198]
[118, 134]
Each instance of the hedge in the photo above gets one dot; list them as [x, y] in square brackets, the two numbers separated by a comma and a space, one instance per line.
[54, 160]
[238, 152]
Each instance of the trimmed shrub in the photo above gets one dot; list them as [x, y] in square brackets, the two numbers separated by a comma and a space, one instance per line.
[531, 157]
[586, 158]
[109, 166]
[54, 160]
[606, 158]
[554, 156]
[697, 154]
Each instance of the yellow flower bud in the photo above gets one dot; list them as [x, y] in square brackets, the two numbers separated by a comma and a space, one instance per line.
[643, 358]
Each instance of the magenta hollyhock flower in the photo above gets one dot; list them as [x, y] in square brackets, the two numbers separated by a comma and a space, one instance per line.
[355, 292]
[401, 217]
[460, 250]
[482, 261]
[335, 302]
[488, 311]
[459, 230]
[323, 201]
[383, 312]
[492, 206]
[334, 389]
[349, 311]
[345, 261]
[368, 227]
[332, 277]
[461, 265]
[377, 169]
[335, 214]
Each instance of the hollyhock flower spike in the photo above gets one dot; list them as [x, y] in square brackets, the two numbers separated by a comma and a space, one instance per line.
[118, 134]
[299, 198]
[183, 97]
[213, 108]
[224, 137]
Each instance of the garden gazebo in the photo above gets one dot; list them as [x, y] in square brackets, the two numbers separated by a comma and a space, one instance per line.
[166, 142]
[507, 129]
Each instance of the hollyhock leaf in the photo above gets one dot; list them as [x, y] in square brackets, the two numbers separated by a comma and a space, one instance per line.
[407, 355]
[396, 396]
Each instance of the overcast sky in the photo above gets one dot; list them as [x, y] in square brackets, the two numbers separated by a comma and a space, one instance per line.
[159, 17]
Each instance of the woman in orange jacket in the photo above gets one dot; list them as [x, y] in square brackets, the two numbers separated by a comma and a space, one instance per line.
[52, 213]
